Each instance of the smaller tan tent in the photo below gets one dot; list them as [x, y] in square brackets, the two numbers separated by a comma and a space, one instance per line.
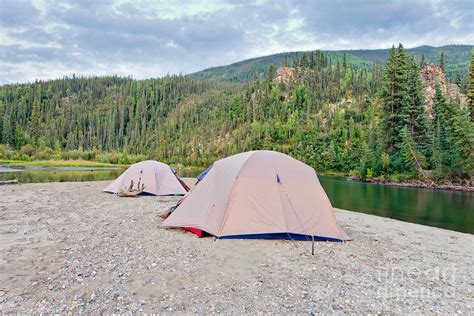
[154, 177]
[259, 194]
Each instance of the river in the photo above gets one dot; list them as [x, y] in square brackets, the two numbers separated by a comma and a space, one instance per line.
[452, 210]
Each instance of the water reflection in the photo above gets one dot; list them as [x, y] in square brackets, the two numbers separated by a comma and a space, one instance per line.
[446, 209]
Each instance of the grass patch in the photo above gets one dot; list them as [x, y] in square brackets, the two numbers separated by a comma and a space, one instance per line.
[332, 173]
[61, 163]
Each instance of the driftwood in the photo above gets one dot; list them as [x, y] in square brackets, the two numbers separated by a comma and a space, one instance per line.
[165, 214]
[168, 212]
[130, 191]
[127, 193]
[7, 182]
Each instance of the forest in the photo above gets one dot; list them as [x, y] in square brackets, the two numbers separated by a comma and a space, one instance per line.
[370, 121]
[457, 59]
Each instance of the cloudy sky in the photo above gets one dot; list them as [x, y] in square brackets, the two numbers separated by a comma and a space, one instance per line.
[41, 39]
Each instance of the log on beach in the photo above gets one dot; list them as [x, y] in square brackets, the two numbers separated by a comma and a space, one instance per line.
[7, 182]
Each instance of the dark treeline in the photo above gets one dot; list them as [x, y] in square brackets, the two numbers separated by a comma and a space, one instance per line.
[371, 122]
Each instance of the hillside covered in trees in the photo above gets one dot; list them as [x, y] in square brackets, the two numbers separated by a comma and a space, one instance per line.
[457, 59]
[333, 111]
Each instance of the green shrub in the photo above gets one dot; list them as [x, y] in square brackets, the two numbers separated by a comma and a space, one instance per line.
[137, 158]
[102, 158]
[45, 154]
[2, 148]
[88, 155]
[27, 150]
[369, 173]
[56, 156]
[65, 155]
[21, 156]
[123, 158]
[75, 154]
[7, 153]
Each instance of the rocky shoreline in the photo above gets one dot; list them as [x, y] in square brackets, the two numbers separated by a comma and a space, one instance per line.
[415, 184]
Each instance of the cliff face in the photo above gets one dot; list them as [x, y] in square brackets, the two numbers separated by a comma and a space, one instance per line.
[285, 75]
[430, 74]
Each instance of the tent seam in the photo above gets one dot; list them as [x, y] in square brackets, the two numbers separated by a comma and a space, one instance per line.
[224, 219]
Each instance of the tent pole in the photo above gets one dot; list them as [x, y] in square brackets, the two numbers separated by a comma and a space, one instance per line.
[312, 245]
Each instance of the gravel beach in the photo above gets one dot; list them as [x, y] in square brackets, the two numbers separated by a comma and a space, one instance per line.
[69, 248]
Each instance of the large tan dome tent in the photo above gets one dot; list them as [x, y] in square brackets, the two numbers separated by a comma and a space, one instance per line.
[154, 177]
[259, 194]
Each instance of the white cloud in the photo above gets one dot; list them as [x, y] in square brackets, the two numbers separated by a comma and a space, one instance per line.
[42, 39]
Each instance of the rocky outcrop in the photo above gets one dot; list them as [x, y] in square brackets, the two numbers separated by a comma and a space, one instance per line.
[289, 75]
[285, 75]
[430, 75]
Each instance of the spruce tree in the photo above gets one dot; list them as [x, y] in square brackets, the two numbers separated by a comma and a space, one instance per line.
[460, 136]
[442, 63]
[458, 80]
[285, 63]
[1, 123]
[344, 62]
[270, 75]
[35, 122]
[396, 101]
[6, 128]
[470, 88]
[305, 62]
[443, 148]
[422, 61]
[437, 151]
[418, 118]
[413, 160]
[388, 97]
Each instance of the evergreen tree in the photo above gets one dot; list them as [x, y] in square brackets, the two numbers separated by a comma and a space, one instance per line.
[422, 61]
[285, 64]
[460, 136]
[35, 122]
[437, 157]
[458, 80]
[413, 160]
[270, 75]
[7, 137]
[418, 118]
[312, 61]
[396, 101]
[1, 123]
[344, 62]
[305, 62]
[470, 88]
[442, 63]
[13, 124]
[440, 141]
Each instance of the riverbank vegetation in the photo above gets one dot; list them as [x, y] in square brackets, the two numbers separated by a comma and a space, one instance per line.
[370, 122]
[60, 163]
[30, 155]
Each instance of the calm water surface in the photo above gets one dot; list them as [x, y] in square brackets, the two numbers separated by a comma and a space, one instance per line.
[446, 209]
[452, 210]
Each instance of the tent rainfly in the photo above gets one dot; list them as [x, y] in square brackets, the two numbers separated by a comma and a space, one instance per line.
[259, 194]
[155, 177]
